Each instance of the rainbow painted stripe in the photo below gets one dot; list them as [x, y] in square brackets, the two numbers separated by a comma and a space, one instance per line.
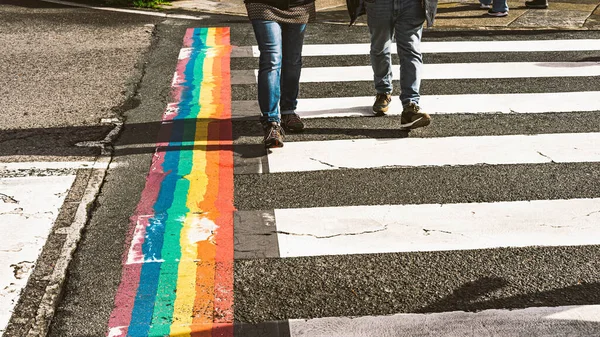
[177, 275]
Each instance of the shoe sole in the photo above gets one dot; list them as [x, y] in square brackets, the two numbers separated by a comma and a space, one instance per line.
[419, 123]
[293, 130]
[498, 15]
[381, 112]
[273, 144]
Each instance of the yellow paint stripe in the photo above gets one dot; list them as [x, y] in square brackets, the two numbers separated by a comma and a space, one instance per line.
[198, 221]
[211, 37]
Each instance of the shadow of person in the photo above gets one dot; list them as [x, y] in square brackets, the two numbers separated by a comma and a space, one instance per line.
[467, 297]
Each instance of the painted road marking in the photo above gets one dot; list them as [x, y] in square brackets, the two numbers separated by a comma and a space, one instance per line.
[435, 227]
[28, 209]
[47, 165]
[178, 273]
[440, 71]
[439, 104]
[534, 322]
[492, 150]
[440, 47]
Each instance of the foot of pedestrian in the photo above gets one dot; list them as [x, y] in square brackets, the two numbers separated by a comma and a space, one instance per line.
[413, 117]
[382, 103]
[538, 4]
[491, 12]
[273, 135]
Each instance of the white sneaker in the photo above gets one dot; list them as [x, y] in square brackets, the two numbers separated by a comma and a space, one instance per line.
[482, 6]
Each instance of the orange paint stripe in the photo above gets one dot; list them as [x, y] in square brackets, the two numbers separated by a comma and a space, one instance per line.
[224, 276]
[214, 285]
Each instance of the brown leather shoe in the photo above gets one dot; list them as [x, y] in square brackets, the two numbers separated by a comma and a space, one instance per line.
[273, 135]
[292, 123]
[412, 117]
[382, 103]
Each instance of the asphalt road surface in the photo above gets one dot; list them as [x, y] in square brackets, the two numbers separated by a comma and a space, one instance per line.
[381, 233]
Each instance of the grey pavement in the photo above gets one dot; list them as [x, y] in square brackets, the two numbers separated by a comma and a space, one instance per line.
[67, 69]
[67, 75]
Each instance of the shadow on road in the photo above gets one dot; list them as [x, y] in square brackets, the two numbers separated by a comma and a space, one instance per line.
[140, 138]
[469, 297]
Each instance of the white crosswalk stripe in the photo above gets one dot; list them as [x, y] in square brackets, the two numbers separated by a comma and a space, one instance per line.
[439, 47]
[413, 228]
[331, 231]
[485, 323]
[440, 104]
[28, 208]
[493, 150]
[440, 71]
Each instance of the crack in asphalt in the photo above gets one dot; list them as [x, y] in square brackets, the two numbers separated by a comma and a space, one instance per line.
[334, 235]
[592, 213]
[545, 156]
[322, 162]
[8, 199]
[427, 231]
[330, 165]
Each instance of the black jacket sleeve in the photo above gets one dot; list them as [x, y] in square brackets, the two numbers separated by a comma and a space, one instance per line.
[356, 8]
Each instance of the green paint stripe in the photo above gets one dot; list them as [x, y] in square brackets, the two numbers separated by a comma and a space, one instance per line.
[162, 317]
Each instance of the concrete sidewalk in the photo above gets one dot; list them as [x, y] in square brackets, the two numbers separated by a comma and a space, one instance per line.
[452, 14]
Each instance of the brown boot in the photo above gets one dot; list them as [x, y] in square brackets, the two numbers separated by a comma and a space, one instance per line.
[412, 117]
[382, 103]
[292, 123]
[273, 135]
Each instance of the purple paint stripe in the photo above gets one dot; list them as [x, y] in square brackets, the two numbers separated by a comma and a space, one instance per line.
[189, 38]
[125, 298]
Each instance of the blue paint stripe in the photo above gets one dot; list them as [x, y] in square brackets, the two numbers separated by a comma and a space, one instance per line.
[141, 317]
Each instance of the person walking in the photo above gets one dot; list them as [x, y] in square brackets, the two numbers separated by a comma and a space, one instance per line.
[279, 27]
[402, 20]
[497, 8]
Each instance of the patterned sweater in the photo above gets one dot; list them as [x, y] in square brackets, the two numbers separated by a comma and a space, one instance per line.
[299, 14]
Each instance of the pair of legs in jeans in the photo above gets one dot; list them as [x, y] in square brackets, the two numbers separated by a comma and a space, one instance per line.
[280, 62]
[403, 21]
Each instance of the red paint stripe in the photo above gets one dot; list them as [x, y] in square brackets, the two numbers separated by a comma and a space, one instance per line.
[130, 275]
[224, 203]
[188, 38]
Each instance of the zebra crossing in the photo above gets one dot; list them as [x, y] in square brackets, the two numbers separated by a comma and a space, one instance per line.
[484, 223]
[32, 195]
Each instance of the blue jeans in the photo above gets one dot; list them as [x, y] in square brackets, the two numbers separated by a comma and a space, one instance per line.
[280, 62]
[497, 5]
[402, 19]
